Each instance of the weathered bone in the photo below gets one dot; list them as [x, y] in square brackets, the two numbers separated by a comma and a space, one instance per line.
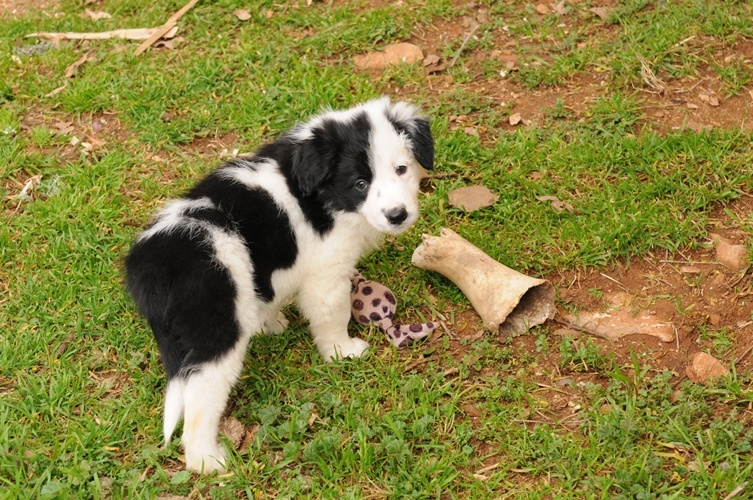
[505, 299]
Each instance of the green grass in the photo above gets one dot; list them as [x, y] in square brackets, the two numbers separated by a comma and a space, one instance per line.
[80, 378]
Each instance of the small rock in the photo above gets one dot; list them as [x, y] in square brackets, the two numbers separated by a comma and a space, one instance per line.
[715, 319]
[728, 253]
[515, 119]
[704, 367]
[542, 9]
[396, 53]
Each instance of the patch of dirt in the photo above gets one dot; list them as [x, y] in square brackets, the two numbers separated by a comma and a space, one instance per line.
[696, 103]
[708, 306]
[14, 8]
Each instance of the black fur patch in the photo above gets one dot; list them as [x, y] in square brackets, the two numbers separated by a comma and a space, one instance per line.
[257, 218]
[188, 300]
[419, 133]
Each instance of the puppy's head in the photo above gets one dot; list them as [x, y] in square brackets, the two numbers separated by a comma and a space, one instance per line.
[366, 160]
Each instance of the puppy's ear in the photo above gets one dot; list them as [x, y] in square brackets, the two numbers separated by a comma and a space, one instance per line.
[315, 157]
[406, 120]
[422, 142]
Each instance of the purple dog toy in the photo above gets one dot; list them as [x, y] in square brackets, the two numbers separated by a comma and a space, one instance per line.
[374, 302]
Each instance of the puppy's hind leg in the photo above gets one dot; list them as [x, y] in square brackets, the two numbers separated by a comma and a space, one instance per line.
[275, 323]
[206, 393]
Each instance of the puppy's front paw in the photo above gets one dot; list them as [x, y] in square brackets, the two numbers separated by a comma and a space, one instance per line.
[349, 348]
[206, 463]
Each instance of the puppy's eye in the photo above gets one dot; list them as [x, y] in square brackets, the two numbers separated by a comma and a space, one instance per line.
[361, 185]
[401, 169]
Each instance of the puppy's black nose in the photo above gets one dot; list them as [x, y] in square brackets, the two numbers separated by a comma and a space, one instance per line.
[396, 216]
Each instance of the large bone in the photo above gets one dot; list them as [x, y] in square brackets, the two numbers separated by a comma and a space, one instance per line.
[505, 299]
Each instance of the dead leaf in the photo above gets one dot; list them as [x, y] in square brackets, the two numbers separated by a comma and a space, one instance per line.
[559, 8]
[433, 64]
[28, 188]
[471, 131]
[248, 439]
[313, 419]
[56, 91]
[431, 59]
[169, 44]
[97, 15]
[72, 70]
[472, 198]
[515, 119]
[557, 204]
[601, 12]
[63, 128]
[242, 14]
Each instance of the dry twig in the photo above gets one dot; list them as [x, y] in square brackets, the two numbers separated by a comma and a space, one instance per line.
[649, 78]
[126, 34]
[165, 28]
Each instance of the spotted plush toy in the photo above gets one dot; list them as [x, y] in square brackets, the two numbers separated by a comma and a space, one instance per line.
[374, 302]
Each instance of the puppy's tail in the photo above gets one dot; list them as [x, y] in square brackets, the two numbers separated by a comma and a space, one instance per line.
[174, 406]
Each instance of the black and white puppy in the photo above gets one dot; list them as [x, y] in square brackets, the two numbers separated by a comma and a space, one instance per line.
[215, 266]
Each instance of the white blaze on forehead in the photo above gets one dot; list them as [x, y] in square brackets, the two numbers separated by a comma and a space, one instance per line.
[389, 148]
[390, 191]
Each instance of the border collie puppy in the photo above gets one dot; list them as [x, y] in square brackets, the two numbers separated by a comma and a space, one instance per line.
[214, 267]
